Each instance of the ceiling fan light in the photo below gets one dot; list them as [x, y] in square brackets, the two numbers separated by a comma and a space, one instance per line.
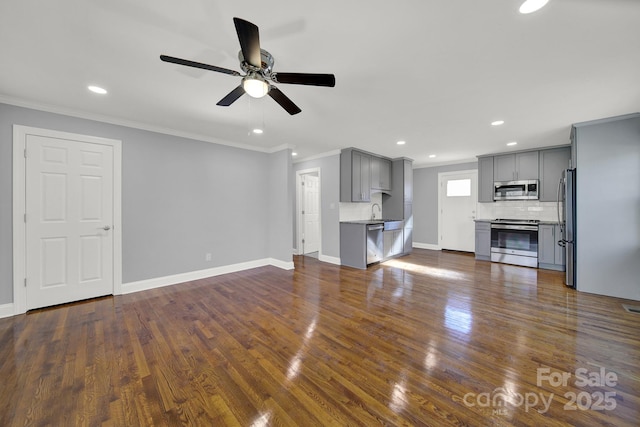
[530, 6]
[255, 87]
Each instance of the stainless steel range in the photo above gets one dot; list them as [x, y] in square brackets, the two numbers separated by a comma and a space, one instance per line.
[515, 241]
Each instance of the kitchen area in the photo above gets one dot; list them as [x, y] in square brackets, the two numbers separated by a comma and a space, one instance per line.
[376, 196]
[547, 208]
[518, 216]
[522, 217]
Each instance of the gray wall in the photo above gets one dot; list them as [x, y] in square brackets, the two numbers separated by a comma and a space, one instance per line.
[425, 200]
[280, 203]
[181, 199]
[329, 202]
[608, 208]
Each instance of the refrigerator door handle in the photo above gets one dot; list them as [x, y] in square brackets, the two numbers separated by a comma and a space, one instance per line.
[558, 202]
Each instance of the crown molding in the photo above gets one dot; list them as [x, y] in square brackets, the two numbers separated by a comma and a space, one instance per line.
[319, 156]
[18, 102]
[436, 165]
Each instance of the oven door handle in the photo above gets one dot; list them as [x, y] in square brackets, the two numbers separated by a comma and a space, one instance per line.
[514, 227]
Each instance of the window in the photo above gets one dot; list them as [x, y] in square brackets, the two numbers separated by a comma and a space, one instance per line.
[459, 188]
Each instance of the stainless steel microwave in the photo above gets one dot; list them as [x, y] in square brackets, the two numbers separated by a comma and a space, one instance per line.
[516, 190]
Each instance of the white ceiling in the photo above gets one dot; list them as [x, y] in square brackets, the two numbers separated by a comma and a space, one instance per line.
[433, 73]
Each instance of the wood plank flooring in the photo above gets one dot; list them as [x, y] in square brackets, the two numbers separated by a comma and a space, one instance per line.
[428, 339]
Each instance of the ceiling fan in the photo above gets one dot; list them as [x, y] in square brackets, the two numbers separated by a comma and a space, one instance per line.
[258, 65]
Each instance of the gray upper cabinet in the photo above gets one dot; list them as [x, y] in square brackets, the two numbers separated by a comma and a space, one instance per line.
[380, 174]
[361, 186]
[401, 189]
[552, 163]
[485, 179]
[361, 172]
[355, 176]
[545, 164]
[517, 166]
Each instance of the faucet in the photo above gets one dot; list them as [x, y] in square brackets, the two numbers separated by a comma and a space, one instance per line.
[373, 215]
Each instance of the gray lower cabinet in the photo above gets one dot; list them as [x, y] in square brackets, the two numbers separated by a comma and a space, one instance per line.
[353, 245]
[393, 243]
[550, 254]
[483, 241]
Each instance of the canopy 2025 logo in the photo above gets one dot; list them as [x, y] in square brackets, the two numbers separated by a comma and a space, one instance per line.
[595, 401]
[496, 400]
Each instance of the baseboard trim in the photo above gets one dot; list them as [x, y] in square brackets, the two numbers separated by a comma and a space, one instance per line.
[285, 265]
[427, 246]
[555, 267]
[159, 282]
[7, 310]
[329, 259]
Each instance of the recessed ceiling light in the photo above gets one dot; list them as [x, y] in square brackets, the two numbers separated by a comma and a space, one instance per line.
[497, 123]
[401, 142]
[258, 131]
[530, 6]
[97, 89]
[432, 156]
[294, 153]
[512, 143]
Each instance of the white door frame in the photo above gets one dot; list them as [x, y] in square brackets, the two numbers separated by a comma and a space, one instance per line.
[299, 218]
[441, 177]
[19, 207]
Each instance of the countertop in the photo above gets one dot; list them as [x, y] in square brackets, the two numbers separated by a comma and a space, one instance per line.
[369, 221]
[540, 222]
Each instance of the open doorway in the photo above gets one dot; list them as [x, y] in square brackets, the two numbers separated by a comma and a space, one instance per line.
[308, 212]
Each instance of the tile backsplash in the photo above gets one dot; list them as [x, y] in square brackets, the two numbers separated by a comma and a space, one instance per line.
[518, 209]
[358, 211]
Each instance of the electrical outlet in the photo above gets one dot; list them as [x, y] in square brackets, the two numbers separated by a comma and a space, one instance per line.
[207, 257]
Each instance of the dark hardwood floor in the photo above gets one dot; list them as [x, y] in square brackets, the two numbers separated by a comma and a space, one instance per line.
[428, 339]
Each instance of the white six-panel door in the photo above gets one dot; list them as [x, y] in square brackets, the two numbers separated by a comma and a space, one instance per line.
[69, 220]
[311, 209]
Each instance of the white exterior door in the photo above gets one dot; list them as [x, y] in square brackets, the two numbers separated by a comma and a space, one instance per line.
[311, 209]
[69, 205]
[458, 200]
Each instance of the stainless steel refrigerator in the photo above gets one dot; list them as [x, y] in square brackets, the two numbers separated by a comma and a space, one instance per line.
[567, 220]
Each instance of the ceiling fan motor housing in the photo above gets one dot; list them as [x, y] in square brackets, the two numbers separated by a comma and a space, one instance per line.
[266, 59]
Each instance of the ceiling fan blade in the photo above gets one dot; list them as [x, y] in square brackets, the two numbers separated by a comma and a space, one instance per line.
[283, 100]
[231, 97]
[249, 41]
[306, 79]
[194, 64]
